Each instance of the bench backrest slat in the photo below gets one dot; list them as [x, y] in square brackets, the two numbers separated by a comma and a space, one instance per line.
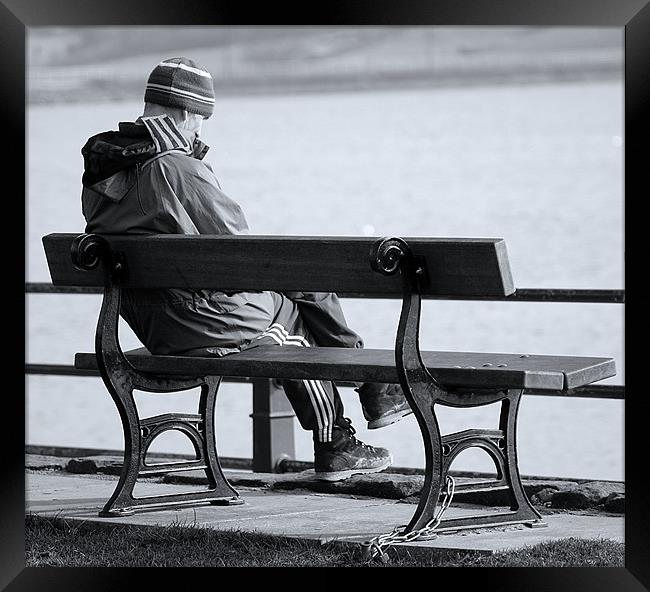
[455, 266]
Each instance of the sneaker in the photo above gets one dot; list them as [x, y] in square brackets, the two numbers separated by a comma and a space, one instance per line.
[346, 456]
[383, 404]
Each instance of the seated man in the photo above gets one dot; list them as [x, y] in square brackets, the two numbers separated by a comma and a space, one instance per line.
[149, 177]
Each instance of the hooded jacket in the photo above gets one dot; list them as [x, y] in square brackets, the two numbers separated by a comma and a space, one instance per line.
[148, 178]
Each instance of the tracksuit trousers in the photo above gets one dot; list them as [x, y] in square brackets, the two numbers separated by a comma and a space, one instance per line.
[306, 319]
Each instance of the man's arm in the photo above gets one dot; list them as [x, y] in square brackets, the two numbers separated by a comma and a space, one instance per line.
[194, 200]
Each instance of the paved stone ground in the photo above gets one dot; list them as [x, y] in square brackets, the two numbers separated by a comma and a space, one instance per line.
[552, 493]
[295, 513]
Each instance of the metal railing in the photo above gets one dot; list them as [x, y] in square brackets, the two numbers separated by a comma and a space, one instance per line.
[521, 295]
[273, 417]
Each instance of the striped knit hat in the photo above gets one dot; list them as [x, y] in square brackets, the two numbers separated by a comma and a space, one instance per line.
[181, 83]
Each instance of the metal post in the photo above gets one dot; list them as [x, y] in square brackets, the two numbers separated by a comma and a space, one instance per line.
[272, 426]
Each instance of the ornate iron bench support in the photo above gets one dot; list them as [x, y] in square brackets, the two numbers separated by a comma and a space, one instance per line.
[423, 392]
[121, 379]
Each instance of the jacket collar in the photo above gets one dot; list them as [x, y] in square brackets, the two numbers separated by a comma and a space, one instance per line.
[167, 136]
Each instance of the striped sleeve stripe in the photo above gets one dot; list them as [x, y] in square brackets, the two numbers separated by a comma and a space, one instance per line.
[180, 92]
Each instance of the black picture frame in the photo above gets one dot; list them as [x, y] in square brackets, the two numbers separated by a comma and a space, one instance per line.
[17, 15]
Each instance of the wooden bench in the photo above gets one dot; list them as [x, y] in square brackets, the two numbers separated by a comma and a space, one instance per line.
[409, 269]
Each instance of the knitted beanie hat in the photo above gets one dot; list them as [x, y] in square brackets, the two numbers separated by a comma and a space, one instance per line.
[181, 83]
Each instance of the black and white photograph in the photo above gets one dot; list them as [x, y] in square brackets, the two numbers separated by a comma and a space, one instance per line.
[325, 296]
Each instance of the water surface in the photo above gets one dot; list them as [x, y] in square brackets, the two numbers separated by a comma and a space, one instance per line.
[538, 165]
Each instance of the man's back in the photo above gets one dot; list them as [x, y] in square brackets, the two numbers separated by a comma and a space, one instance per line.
[138, 183]
[165, 190]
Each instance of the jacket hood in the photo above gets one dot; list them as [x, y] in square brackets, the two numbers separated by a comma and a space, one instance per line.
[111, 158]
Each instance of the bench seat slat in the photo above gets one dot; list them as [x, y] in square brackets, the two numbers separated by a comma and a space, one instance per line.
[453, 369]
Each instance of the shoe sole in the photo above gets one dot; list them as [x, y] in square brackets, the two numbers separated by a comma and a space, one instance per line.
[389, 419]
[342, 475]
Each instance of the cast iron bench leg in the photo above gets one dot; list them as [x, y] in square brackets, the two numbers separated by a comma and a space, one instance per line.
[501, 446]
[423, 392]
[121, 379]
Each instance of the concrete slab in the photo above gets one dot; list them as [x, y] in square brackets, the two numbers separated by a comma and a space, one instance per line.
[324, 517]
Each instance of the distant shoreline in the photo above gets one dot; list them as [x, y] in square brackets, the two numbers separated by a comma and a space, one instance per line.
[124, 90]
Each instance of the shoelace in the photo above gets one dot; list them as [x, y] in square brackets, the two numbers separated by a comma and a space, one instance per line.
[348, 427]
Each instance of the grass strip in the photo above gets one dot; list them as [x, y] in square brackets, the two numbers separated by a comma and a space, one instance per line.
[61, 543]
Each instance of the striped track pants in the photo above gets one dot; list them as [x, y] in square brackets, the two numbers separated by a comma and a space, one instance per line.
[317, 403]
